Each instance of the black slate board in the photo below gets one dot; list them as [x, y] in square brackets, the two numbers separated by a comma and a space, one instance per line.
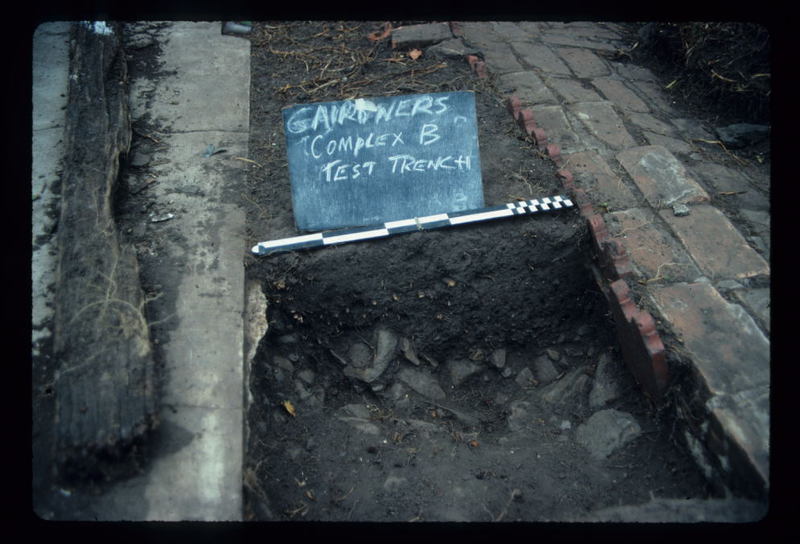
[371, 160]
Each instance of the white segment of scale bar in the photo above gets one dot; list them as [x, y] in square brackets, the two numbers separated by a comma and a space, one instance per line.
[355, 236]
[478, 216]
[293, 240]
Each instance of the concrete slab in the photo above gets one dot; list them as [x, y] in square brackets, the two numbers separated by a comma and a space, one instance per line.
[223, 103]
[49, 97]
[200, 98]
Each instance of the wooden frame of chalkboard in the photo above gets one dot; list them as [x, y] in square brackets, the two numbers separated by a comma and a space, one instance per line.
[371, 160]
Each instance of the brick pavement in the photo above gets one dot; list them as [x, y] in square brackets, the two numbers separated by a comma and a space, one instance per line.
[680, 228]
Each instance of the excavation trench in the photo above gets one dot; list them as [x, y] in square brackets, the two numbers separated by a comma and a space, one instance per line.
[466, 374]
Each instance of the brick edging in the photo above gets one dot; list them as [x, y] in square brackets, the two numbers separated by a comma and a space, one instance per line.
[642, 348]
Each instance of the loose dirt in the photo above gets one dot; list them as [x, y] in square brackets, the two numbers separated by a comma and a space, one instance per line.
[462, 374]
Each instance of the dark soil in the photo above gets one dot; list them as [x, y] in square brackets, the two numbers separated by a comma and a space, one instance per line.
[405, 379]
[723, 69]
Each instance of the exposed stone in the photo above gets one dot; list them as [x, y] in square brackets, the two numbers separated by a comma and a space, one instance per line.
[518, 418]
[741, 135]
[407, 349]
[507, 373]
[283, 362]
[525, 378]
[546, 372]
[657, 510]
[553, 354]
[604, 388]
[453, 48]
[460, 370]
[420, 35]
[421, 382]
[306, 375]
[572, 387]
[362, 425]
[393, 483]
[357, 410]
[498, 358]
[386, 344]
[680, 210]
[359, 355]
[606, 431]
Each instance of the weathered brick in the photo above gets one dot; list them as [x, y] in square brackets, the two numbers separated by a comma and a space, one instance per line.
[640, 343]
[510, 30]
[556, 127]
[728, 351]
[583, 62]
[656, 96]
[594, 175]
[660, 176]
[674, 145]
[648, 122]
[616, 91]
[654, 253]
[631, 71]
[571, 90]
[527, 86]
[757, 301]
[540, 57]
[601, 119]
[727, 180]
[480, 34]
[570, 39]
[405, 37]
[715, 244]
[739, 436]
[500, 59]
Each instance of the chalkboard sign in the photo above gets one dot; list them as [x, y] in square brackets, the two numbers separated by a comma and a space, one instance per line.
[367, 161]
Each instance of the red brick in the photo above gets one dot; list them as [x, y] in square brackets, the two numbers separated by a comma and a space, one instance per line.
[655, 253]
[567, 179]
[604, 186]
[554, 152]
[583, 62]
[660, 176]
[584, 203]
[513, 105]
[715, 244]
[557, 128]
[525, 121]
[619, 94]
[601, 119]
[598, 231]
[615, 261]
[639, 340]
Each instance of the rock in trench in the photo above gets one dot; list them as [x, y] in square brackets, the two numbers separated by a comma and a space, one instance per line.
[606, 431]
[604, 388]
[573, 387]
[460, 370]
[546, 372]
[421, 382]
[386, 345]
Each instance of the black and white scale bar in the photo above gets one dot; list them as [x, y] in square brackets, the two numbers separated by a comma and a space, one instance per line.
[389, 228]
